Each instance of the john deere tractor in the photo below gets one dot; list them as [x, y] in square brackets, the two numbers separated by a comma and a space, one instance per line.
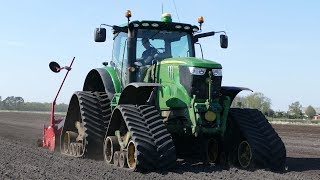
[146, 108]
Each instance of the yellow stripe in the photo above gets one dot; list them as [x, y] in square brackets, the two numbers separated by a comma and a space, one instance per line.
[171, 62]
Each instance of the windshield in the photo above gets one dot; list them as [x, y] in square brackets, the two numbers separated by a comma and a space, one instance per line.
[166, 44]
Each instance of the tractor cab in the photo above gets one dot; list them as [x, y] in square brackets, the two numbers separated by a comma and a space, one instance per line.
[139, 45]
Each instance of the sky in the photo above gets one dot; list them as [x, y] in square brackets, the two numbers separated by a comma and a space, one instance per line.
[273, 45]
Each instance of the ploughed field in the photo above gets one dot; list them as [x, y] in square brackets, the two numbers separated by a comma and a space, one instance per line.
[20, 158]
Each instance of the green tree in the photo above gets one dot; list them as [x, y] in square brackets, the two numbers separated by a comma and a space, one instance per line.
[310, 112]
[9, 103]
[0, 102]
[258, 101]
[18, 103]
[295, 110]
[255, 101]
[280, 114]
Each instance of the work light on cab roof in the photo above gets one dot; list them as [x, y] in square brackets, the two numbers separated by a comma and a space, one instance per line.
[166, 17]
[200, 21]
[128, 14]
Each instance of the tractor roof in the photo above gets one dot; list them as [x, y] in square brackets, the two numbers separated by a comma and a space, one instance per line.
[172, 26]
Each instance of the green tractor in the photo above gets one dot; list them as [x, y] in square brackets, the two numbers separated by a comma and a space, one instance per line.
[155, 102]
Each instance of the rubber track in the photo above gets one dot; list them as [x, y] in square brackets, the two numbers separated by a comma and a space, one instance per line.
[267, 147]
[162, 138]
[95, 114]
[155, 148]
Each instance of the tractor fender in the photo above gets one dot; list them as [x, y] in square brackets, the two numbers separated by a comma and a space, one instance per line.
[232, 91]
[137, 93]
[102, 80]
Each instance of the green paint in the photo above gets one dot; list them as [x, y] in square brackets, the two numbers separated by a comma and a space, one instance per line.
[172, 94]
[114, 77]
[115, 100]
[192, 62]
[193, 116]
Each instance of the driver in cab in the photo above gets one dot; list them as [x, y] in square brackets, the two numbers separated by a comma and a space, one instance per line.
[148, 54]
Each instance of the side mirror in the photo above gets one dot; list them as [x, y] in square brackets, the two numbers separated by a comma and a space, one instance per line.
[223, 41]
[100, 35]
[55, 67]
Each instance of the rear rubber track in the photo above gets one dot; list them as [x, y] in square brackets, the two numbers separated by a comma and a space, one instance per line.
[268, 150]
[95, 112]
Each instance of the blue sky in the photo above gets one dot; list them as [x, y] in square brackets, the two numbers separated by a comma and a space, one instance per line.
[273, 45]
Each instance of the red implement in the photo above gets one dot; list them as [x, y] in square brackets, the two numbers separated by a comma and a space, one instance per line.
[51, 134]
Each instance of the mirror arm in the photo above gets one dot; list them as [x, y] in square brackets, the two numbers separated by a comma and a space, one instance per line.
[218, 32]
[114, 27]
[197, 36]
[212, 33]
[105, 25]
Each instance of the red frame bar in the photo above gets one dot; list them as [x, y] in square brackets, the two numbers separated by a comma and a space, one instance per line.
[55, 99]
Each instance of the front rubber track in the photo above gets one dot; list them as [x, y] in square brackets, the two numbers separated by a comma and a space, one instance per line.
[268, 150]
[154, 145]
[162, 138]
[95, 112]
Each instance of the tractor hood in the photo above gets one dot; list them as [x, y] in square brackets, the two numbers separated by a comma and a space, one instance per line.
[191, 61]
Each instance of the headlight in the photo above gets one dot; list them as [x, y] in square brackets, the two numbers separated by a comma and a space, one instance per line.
[197, 71]
[217, 72]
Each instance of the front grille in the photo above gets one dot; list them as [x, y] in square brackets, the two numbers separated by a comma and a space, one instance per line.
[198, 85]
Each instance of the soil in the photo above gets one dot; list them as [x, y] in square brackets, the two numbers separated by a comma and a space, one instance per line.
[20, 158]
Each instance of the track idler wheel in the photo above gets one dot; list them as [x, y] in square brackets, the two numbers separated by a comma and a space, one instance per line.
[69, 138]
[123, 160]
[212, 150]
[73, 149]
[116, 157]
[131, 156]
[245, 154]
[111, 145]
[77, 149]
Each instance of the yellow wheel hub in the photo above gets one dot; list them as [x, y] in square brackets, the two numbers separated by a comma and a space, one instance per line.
[244, 154]
[210, 116]
[131, 155]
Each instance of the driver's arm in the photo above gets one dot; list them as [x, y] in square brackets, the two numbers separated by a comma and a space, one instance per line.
[148, 60]
[148, 55]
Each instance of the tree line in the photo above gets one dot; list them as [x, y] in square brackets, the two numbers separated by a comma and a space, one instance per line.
[13, 103]
[259, 101]
[256, 101]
